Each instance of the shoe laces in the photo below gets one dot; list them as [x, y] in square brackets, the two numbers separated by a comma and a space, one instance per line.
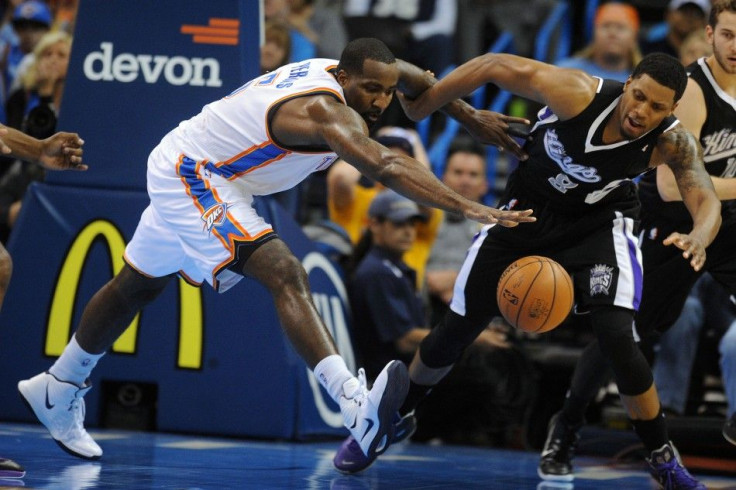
[358, 393]
[79, 410]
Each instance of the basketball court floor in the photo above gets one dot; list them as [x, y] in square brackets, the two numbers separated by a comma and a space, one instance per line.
[140, 460]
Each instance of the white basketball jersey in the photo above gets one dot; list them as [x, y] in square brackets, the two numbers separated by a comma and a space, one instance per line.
[231, 137]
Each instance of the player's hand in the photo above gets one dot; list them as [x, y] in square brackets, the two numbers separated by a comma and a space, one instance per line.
[484, 214]
[692, 248]
[62, 151]
[492, 128]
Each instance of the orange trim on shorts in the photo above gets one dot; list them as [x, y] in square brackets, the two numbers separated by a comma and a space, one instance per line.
[188, 279]
[127, 261]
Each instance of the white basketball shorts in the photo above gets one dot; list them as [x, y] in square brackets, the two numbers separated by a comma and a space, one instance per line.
[193, 225]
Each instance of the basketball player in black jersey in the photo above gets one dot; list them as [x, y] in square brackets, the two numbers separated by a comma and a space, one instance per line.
[708, 110]
[591, 139]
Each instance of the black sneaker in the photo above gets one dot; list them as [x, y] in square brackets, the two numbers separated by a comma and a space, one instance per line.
[555, 462]
[665, 467]
[729, 429]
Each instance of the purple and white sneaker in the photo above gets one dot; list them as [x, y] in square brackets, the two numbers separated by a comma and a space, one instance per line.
[11, 469]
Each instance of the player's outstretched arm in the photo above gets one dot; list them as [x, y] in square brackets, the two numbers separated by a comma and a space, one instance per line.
[486, 127]
[567, 92]
[61, 151]
[683, 155]
[347, 134]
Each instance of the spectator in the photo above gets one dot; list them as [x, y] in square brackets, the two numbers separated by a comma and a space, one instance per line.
[613, 52]
[389, 320]
[465, 173]
[276, 49]
[694, 47]
[31, 20]
[521, 19]
[280, 11]
[321, 25]
[431, 44]
[349, 194]
[708, 305]
[65, 15]
[683, 17]
[42, 84]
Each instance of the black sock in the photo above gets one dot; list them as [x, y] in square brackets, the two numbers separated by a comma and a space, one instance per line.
[416, 394]
[653, 433]
[573, 410]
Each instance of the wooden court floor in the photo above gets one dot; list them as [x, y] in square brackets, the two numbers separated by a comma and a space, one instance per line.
[139, 460]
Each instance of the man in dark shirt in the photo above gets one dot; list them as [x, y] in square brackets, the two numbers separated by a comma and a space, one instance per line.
[388, 312]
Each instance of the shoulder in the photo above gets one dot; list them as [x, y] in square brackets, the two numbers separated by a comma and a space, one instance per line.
[676, 141]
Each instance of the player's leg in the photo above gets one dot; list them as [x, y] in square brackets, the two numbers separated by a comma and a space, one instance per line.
[473, 305]
[591, 372]
[662, 283]
[367, 414]
[56, 396]
[614, 291]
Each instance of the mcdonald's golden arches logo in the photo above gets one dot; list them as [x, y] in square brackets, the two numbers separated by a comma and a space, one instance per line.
[58, 329]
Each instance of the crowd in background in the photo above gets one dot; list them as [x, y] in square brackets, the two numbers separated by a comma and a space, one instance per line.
[415, 257]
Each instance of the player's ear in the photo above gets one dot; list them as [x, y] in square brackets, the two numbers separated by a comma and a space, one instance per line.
[342, 77]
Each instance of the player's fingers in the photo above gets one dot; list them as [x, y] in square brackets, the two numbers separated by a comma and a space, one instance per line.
[508, 224]
[512, 146]
[674, 238]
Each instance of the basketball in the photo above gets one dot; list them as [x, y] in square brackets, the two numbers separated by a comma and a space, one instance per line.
[535, 294]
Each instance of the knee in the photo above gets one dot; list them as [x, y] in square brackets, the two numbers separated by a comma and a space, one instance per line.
[287, 274]
[137, 289]
[613, 329]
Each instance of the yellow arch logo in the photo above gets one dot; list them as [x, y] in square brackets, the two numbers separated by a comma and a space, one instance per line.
[58, 330]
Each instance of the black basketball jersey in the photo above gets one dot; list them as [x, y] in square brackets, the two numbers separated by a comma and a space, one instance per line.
[718, 138]
[569, 166]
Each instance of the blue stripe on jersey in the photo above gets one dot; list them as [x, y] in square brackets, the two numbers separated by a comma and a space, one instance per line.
[248, 161]
[206, 199]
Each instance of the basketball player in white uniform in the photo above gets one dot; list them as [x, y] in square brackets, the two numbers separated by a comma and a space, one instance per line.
[265, 137]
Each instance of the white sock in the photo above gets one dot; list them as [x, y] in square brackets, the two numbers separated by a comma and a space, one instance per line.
[332, 373]
[75, 364]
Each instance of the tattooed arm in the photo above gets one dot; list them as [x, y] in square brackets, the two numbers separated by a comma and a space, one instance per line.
[680, 151]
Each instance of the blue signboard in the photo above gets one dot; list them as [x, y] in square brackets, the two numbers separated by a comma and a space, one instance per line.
[139, 68]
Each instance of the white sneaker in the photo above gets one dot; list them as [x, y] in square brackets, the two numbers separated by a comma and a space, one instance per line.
[369, 414]
[60, 407]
